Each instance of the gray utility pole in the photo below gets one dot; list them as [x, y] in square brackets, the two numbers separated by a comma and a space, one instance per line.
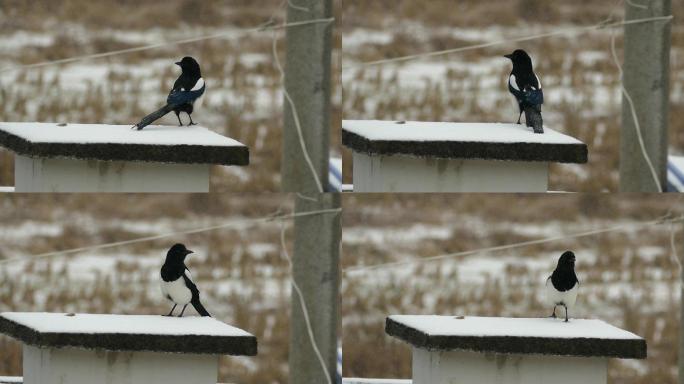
[316, 264]
[315, 260]
[646, 79]
[307, 80]
[681, 322]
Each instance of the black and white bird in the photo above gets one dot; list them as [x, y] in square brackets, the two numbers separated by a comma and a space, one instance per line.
[562, 285]
[177, 284]
[187, 90]
[524, 84]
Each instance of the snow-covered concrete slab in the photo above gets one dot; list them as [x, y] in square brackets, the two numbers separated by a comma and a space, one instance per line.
[546, 336]
[197, 335]
[155, 143]
[489, 141]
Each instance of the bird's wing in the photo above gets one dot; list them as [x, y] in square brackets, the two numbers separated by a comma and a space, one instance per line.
[177, 85]
[198, 85]
[533, 96]
[190, 284]
[187, 272]
[184, 97]
[512, 82]
[195, 294]
[180, 95]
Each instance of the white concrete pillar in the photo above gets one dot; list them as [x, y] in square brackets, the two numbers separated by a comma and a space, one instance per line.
[81, 366]
[465, 367]
[83, 348]
[499, 350]
[53, 157]
[400, 173]
[74, 175]
[418, 156]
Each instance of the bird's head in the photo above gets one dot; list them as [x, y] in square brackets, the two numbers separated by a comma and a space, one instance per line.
[178, 252]
[519, 57]
[567, 260]
[189, 65]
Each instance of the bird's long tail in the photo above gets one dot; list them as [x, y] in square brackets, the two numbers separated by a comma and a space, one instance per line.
[199, 307]
[533, 118]
[154, 116]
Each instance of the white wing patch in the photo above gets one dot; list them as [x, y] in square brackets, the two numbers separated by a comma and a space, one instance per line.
[198, 85]
[511, 82]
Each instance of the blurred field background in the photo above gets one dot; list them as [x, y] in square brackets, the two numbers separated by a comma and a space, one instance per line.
[243, 98]
[628, 278]
[243, 279]
[580, 80]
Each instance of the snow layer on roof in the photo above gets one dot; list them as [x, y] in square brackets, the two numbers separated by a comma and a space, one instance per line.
[456, 132]
[124, 324]
[517, 327]
[117, 134]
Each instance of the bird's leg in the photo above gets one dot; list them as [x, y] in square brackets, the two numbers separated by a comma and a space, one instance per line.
[181, 314]
[566, 313]
[191, 122]
[554, 312]
[519, 116]
[174, 307]
[180, 123]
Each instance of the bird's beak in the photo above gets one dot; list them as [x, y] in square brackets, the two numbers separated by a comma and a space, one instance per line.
[507, 56]
[177, 62]
[188, 252]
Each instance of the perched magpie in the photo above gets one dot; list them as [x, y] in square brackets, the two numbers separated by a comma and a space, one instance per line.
[176, 284]
[524, 84]
[188, 88]
[562, 285]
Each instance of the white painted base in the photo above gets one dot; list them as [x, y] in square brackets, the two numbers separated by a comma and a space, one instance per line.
[414, 174]
[80, 366]
[72, 175]
[461, 367]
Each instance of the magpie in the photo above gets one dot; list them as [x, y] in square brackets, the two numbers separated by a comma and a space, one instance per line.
[188, 88]
[177, 284]
[562, 285]
[524, 84]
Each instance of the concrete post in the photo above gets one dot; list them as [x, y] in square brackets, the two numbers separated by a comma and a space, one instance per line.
[82, 366]
[681, 329]
[464, 349]
[422, 156]
[307, 80]
[681, 321]
[316, 271]
[646, 79]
